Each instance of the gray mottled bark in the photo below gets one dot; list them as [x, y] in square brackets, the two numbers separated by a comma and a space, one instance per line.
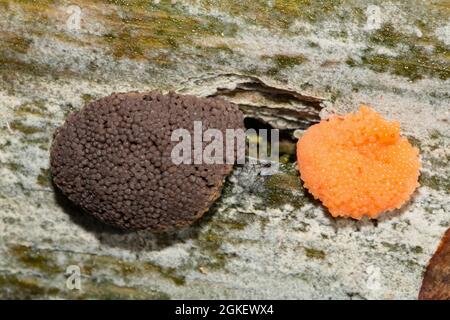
[286, 63]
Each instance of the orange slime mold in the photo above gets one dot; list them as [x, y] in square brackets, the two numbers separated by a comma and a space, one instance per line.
[358, 164]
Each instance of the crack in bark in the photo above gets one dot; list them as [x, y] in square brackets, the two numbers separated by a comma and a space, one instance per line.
[279, 107]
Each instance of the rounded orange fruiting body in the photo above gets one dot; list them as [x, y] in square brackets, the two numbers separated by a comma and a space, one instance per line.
[358, 164]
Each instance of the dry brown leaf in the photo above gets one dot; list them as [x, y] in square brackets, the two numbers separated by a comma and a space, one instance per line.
[436, 283]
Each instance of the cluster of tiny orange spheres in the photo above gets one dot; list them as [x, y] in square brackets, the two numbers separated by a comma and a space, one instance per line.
[358, 164]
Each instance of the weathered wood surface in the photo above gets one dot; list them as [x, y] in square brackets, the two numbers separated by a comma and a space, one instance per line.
[288, 63]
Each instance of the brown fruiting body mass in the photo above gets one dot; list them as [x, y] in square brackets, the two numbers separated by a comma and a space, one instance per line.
[113, 159]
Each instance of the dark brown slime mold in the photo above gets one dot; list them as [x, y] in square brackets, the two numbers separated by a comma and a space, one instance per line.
[113, 159]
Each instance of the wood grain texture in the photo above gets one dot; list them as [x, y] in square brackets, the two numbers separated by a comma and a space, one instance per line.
[287, 63]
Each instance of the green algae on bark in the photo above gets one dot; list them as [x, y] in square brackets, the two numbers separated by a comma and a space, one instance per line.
[18, 125]
[34, 259]
[36, 108]
[436, 182]
[418, 57]
[17, 287]
[314, 253]
[283, 188]
[44, 178]
[265, 230]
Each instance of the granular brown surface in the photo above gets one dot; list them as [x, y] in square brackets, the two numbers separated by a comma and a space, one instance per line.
[113, 159]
